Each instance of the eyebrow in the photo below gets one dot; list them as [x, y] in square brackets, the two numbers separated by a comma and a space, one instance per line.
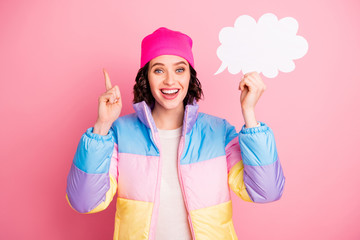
[181, 62]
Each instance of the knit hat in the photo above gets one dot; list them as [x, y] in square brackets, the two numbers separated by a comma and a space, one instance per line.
[164, 41]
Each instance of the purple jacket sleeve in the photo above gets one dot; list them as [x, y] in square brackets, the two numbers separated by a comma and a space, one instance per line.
[256, 175]
[91, 184]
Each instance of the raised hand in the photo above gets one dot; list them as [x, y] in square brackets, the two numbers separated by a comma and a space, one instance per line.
[252, 87]
[109, 109]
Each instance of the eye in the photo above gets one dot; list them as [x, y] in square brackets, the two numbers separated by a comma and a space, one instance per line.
[157, 70]
[180, 70]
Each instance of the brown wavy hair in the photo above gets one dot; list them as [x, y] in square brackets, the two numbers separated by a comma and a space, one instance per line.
[142, 90]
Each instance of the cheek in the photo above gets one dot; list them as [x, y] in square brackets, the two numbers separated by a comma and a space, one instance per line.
[152, 84]
[185, 83]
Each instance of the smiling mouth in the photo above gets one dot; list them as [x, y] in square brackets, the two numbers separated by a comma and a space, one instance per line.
[170, 92]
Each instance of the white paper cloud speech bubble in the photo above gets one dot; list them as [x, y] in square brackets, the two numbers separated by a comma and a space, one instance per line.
[267, 46]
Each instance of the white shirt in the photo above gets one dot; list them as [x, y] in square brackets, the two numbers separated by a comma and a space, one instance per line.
[172, 220]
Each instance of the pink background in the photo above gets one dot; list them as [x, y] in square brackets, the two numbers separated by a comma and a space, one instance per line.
[51, 57]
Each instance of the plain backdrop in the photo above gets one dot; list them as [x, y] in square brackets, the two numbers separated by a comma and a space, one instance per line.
[51, 59]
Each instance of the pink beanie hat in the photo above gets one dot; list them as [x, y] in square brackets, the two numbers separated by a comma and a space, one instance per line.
[164, 41]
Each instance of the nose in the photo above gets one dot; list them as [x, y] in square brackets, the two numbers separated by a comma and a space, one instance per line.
[169, 79]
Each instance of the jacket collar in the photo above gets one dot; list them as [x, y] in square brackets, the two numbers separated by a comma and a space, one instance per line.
[143, 112]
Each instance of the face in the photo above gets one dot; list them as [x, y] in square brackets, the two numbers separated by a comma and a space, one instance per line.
[169, 78]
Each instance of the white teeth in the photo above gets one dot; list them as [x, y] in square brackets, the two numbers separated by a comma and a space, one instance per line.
[170, 91]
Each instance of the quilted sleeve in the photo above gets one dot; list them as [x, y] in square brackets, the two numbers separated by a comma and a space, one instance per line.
[254, 170]
[92, 180]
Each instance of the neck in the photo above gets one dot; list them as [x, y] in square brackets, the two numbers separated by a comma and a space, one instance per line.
[168, 119]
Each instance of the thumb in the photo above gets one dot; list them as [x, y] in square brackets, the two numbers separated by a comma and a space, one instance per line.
[243, 93]
[242, 85]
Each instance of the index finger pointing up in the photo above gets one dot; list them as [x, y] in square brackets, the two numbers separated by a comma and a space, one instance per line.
[107, 80]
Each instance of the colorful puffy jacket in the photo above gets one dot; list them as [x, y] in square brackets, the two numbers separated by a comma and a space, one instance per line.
[212, 158]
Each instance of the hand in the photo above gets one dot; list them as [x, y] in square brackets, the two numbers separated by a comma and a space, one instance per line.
[110, 105]
[252, 87]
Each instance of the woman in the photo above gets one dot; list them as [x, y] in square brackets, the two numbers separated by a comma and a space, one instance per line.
[171, 165]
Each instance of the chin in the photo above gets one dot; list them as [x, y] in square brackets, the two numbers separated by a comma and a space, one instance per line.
[171, 105]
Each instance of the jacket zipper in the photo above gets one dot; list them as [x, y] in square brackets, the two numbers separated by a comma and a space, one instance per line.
[180, 150]
[157, 190]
